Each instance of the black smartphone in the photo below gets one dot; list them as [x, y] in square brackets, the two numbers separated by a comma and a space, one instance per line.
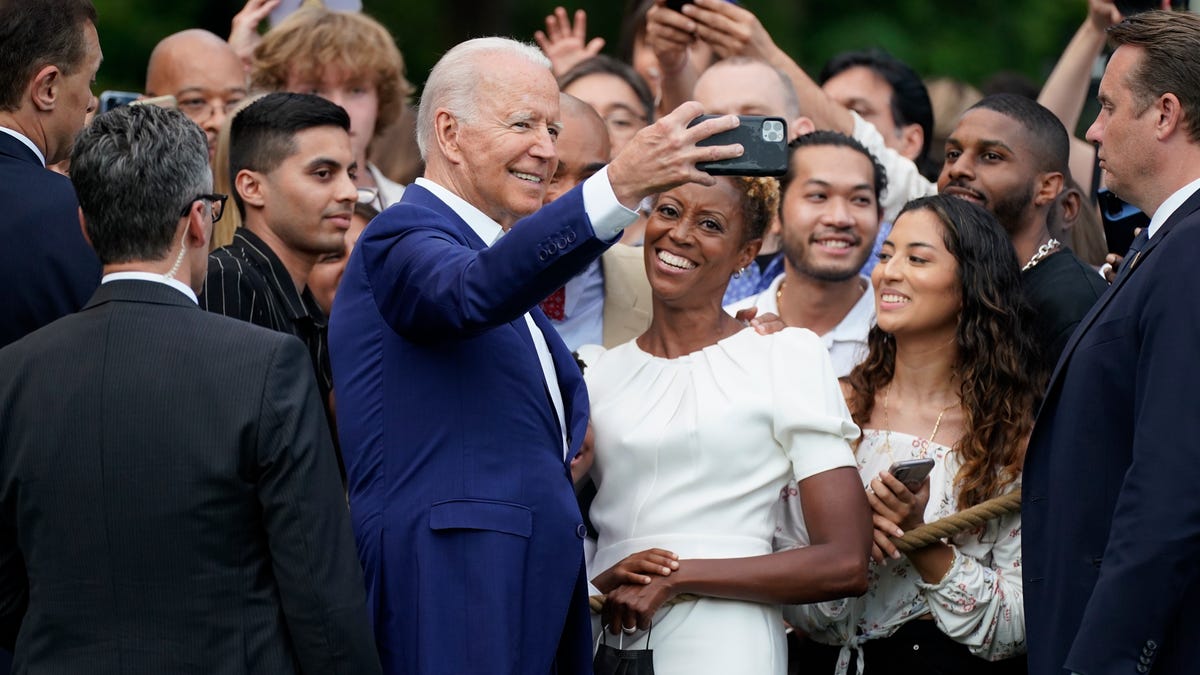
[676, 5]
[115, 99]
[911, 472]
[764, 140]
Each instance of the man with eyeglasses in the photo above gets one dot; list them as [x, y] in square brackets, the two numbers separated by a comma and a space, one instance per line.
[293, 174]
[204, 75]
[168, 471]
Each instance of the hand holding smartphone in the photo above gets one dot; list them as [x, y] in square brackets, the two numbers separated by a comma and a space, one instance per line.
[911, 472]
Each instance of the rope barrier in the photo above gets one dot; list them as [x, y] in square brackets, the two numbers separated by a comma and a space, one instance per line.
[916, 538]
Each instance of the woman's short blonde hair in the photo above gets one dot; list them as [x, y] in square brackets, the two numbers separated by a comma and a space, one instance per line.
[313, 39]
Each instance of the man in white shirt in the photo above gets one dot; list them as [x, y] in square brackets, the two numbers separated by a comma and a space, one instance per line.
[830, 213]
[51, 55]
[1111, 522]
[459, 407]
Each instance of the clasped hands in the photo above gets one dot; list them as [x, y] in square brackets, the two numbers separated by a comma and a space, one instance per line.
[896, 510]
[636, 588]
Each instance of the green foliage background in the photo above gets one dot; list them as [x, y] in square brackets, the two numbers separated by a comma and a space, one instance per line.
[968, 40]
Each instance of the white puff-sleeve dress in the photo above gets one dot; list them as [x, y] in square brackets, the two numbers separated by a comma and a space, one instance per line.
[691, 454]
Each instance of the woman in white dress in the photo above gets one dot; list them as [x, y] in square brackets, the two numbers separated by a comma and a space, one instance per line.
[948, 377]
[698, 424]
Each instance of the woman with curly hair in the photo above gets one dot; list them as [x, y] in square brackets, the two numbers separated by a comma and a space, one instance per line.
[698, 424]
[948, 378]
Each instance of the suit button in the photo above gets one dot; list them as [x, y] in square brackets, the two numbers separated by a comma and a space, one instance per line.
[571, 237]
[542, 256]
[1144, 660]
[1142, 668]
[581, 531]
[1151, 645]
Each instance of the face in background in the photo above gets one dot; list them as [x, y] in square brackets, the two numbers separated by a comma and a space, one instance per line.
[583, 147]
[357, 93]
[326, 275]
[74, 100]
[617, 103]
[204, 75]
[917, 290]
[696, 239]
[307, 201]
[1123, 129]
[505, 158]
[741, 89]
[862, 90]
[990, 161]
[829, 212]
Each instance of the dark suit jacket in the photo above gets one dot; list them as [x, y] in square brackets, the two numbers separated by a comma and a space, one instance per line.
[464, 513]
[47, 268]
[169, 501]
[1111, 512]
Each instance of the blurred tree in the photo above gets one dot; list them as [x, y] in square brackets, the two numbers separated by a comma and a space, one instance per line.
[969, 41]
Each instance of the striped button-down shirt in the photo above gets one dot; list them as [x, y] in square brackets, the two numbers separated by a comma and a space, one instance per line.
[247, 281]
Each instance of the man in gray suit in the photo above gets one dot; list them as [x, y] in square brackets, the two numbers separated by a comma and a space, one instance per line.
[169, 500]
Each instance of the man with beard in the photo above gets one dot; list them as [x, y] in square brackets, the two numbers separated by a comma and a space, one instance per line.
[1010, 155]
[830, 214]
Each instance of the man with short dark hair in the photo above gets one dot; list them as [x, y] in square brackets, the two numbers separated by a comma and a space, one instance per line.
[830, 212]
[293, 175]
[1110, 516]
[888, 93]
[169, 500]
[1009, 155]
[49, 55]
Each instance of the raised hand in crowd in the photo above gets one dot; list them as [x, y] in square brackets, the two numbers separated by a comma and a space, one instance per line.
[564, 43]
[243, 32]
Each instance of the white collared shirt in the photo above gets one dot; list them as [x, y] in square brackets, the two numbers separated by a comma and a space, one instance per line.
[150, 276]
[1172, 204]
[846, 342]
[608, 217]
[25, 140]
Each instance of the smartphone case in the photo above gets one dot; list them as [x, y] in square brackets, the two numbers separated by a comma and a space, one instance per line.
[764, 140]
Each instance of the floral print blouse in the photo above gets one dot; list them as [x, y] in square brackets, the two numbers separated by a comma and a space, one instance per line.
[979, 602]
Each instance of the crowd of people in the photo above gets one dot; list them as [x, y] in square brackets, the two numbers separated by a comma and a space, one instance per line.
[299, 376]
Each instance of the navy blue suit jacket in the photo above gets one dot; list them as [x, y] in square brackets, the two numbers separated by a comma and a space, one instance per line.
[47, 268]
[463, 509]
[1111, 510]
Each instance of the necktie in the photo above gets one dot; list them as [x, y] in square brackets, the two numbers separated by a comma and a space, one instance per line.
[555, 305]
[1135, 250]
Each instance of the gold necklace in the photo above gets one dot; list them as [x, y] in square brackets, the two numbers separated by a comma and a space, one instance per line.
[887, 439]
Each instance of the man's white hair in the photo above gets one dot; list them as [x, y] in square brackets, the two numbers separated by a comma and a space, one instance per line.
[454, 81]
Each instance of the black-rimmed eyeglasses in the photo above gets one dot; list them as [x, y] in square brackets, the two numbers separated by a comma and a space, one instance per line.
[216, 200]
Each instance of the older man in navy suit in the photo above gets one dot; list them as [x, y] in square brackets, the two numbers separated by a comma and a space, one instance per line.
[49, 54]
[459, 408]
[1111, 510]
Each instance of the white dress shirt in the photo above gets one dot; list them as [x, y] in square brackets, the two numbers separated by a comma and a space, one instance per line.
[25, 140]
[1172, 204]
[608, 217]
[150, 276]
[846, 342]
